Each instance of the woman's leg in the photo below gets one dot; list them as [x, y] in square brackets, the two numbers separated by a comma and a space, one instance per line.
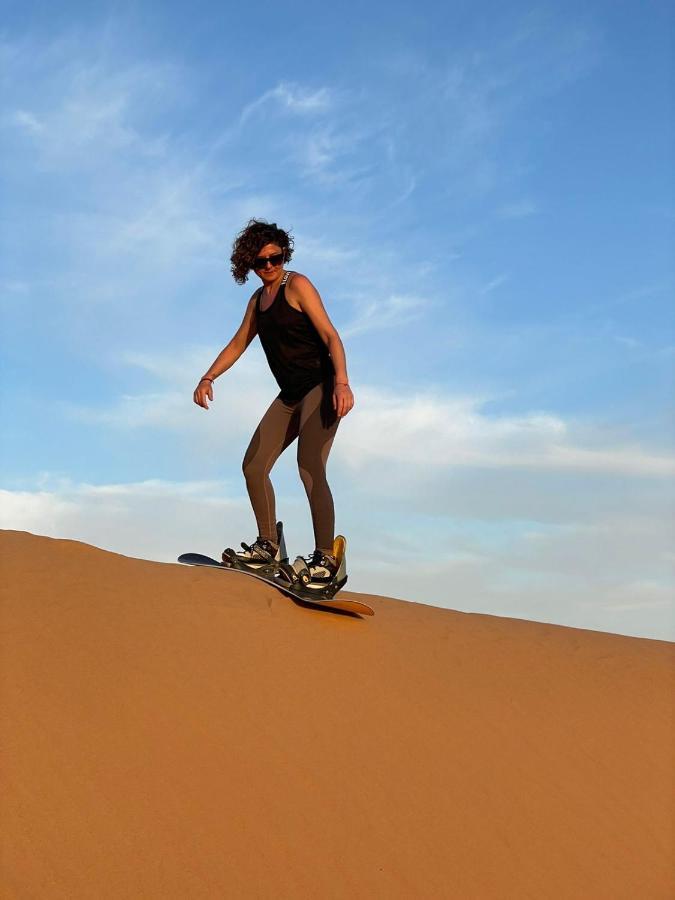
[317, 427]
[277, 429]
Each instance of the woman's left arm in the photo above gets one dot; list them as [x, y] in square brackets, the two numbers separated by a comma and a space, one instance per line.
[310, 302]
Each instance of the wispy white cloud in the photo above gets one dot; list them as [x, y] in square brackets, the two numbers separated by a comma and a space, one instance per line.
[332, 156]
[448, 117]
[170, 222]
[148, 519]
[294, 98]
[94, 111]
[629, 342]
[424, 429]
[325, 250]
[239, 397]
[26, 121]
[15, 287]
[415, 430]
[494, 283]
[384, 313]
[301, 102]
[519, 210]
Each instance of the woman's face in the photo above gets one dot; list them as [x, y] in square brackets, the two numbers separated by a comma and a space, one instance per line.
[265, 268]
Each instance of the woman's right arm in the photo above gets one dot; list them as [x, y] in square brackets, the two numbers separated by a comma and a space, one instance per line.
[228, 357]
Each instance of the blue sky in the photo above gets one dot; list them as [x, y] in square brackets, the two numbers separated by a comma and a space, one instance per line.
[482, 195]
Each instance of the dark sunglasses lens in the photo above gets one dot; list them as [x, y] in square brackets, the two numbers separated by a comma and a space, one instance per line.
[260, 261]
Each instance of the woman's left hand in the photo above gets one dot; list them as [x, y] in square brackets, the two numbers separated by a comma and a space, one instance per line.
[343, 399]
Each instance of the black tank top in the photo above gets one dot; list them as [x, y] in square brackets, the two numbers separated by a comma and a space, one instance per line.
[297, 356]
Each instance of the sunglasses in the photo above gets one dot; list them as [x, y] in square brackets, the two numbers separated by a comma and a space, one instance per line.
[260, 262]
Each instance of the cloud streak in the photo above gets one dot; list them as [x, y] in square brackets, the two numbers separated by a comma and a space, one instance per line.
[415, 429]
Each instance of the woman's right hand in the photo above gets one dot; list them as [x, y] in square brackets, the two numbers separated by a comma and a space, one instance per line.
[203, 390]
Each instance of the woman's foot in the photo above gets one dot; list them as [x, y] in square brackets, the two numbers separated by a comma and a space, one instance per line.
[262, 551]
[322, 566]
[323, 573]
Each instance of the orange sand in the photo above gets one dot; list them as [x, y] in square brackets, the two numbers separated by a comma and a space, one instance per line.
[173, 732]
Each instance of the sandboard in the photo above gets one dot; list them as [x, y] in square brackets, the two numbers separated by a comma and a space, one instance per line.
[341, 603]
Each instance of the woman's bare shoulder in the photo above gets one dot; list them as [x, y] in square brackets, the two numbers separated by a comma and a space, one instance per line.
[253, 298]
[299, 280]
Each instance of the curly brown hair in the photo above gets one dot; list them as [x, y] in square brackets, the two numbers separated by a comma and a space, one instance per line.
[249, 242]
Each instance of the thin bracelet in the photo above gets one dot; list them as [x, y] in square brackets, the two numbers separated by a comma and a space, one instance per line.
[207, 379]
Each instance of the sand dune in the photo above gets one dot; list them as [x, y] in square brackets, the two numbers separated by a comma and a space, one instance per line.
[179, 732]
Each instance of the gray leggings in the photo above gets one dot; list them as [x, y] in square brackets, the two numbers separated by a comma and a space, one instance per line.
[314, 422]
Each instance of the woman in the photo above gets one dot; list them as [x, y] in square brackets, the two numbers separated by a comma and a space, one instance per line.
[307, 359]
